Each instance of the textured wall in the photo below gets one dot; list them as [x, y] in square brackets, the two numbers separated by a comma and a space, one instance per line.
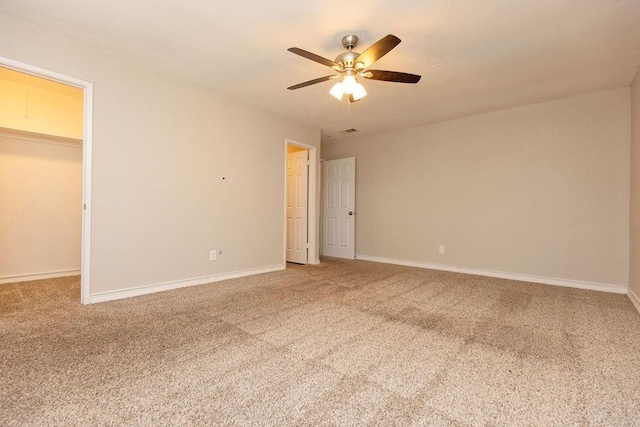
[160, 149]
[540, 190]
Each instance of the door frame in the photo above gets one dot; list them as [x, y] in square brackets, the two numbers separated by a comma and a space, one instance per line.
[87, 144]
[312, 203]
[321, 207]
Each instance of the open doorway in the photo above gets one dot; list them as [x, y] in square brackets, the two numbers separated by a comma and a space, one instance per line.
[300, 216]
[297, 205]
[45, 156]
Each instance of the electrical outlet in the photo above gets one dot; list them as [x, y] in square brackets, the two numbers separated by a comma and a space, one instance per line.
[441, 249]
[213, 255]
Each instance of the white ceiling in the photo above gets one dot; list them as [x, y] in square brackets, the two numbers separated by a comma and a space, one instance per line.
[475, 56]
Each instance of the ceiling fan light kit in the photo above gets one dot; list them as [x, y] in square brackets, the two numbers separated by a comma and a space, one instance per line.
[348, 85]
[350, 65]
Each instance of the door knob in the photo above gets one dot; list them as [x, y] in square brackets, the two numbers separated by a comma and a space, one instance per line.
[350, 212]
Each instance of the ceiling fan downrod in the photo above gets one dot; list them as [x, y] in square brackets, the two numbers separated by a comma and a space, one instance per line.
[347, 59]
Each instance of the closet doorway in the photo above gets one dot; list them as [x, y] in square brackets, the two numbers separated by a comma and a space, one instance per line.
[45, 164]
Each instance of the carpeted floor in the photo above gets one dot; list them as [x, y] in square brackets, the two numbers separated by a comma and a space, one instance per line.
[345, 342]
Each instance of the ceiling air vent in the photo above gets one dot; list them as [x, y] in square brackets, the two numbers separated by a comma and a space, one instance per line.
[349, 130]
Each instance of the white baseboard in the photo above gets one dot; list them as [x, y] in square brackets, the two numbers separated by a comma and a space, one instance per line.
[634, 299]
[160, 287]
[38, 276]
[603, 287]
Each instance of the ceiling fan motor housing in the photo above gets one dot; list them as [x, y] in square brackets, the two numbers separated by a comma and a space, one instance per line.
[347, 59]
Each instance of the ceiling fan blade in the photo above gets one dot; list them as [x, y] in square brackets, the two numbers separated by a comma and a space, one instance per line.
[312, 82]
[317, 58]
[377, 50]
[391, 76]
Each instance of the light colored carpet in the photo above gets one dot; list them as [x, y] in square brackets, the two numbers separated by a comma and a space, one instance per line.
[346, 342]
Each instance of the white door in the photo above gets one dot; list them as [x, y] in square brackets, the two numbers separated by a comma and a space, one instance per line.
[297, 186]
[338, 210]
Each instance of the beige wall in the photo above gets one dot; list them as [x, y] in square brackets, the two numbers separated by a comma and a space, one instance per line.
[540, 190]
[634, 279]
[24, 105]
[40, 206]
[161, 147]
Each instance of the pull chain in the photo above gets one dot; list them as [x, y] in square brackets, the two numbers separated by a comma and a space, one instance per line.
[26, 97]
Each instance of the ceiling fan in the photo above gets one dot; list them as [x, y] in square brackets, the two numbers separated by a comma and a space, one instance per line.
[350, 65]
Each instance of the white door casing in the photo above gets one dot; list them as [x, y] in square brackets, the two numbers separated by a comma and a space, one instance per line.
[297, 208]
[338, 210]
